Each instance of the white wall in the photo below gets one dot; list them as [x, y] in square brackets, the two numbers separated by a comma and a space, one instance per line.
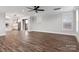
[2, 24]
[51, 23]
[46, 23]
[77, 19]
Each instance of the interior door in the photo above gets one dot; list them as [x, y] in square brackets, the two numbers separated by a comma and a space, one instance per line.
[19, 26]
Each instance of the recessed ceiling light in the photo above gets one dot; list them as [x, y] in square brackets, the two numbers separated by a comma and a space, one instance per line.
[57, 9]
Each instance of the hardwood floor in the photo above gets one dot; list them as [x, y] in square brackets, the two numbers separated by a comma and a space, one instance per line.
[17, 41]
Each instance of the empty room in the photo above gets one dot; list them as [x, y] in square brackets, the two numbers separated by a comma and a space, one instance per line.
[39, 29]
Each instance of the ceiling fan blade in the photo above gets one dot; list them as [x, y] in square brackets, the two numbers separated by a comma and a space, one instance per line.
[36, 7]
[41, 10]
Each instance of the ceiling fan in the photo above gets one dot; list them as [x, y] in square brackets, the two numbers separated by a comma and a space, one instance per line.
[35, 8]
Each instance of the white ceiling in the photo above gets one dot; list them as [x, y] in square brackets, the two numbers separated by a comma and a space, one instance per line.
[21, 8]
[24, 10]
[63, 8]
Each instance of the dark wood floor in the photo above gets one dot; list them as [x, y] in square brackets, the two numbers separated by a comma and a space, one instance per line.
[16, 41]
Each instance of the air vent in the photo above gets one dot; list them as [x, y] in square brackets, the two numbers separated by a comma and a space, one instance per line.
[57, 8]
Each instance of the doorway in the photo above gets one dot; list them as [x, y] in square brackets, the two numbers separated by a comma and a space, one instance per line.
[25, 24]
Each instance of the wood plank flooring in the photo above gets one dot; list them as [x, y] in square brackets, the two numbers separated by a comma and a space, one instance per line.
[21, 41]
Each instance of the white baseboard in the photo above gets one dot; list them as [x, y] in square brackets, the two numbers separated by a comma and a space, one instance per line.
[2, 34]
[56, 32]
